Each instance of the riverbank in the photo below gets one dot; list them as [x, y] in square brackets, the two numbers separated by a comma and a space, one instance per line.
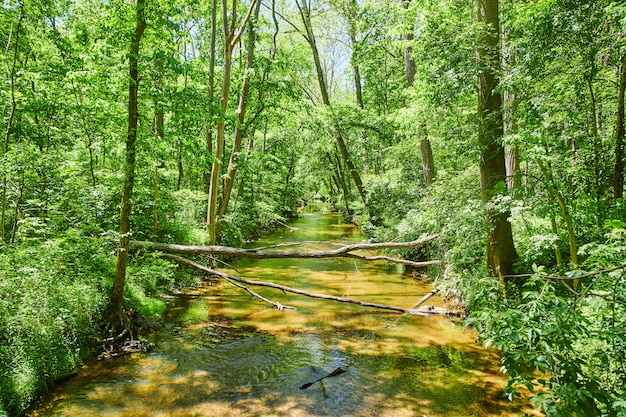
[223, 353]
[52, 295]
[53, 292]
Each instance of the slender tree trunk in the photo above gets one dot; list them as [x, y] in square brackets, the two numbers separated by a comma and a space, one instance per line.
[511, 152]
[9, 129]
[569, 224]
[16, 212]
[409, 63]
[426, 150]
[501, 254]
[339, 180]
[557, 248]
[179, 165]
[241, 115]
[512, 170]
[81, 102]
[115, 303]
[155, 211]
[231, 38]
[618, 174]
[595, 136]
[209, 126]
[428, 161]
[159, 133]
[573, 246]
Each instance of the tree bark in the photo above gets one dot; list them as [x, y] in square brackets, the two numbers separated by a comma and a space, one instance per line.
[115, 303]
[260, 253]
[428, 161]
[426, 150]
[501, 253]
[618, 174]
[340, 181]
[211, 93]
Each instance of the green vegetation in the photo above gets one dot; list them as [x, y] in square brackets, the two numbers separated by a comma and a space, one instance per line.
[371, 105]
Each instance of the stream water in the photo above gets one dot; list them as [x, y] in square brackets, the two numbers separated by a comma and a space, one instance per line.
[223, 353]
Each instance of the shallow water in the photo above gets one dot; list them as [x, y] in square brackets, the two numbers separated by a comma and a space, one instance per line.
[224, 353]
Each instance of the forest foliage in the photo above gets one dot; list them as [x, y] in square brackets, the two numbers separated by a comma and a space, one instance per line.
[349, 127]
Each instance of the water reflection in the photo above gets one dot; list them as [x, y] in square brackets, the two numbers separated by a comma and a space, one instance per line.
[243, 358]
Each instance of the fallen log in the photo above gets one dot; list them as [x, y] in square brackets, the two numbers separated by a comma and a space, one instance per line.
[255, 253]
[424, 312]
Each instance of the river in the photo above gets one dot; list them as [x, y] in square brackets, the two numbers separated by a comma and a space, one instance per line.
[223, 353]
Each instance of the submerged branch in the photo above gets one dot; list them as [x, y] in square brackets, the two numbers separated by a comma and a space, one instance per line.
[278, 306]
[425, 312]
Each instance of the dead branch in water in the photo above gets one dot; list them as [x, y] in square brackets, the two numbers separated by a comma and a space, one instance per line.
[255, 253]
[425, 312]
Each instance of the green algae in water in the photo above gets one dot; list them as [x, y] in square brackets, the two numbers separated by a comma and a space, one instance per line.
[197, 312]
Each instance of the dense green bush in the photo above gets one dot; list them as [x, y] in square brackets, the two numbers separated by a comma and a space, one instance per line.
[51, 299]
[52, 296]
[571, 347]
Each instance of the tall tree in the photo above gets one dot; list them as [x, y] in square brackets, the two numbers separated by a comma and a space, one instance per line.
[114, 310]
[9, 127]
[241, 116]
[232, 34]
[410, 69]
[618, 174]
[501, 253]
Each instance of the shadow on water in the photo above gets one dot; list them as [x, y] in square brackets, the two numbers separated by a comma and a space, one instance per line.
[222, 353]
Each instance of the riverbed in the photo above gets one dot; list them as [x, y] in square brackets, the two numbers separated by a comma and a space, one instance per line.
[222, 352]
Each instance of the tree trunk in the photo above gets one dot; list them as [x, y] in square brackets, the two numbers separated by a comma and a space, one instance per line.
[117, 293]
[426, 151]
[241, 115]
[340, 181]
[501, 254]
[409, 63]
[512, 170]
[595, 137]
[179, 165]
[231, 38]
[557, 249]
[159, 134]
[511, 152]
[573, 246]
[428, 162]
[618, 175]
[211, 94]
[9, 129]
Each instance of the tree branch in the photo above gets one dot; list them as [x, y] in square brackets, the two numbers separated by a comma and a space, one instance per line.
[424, 312]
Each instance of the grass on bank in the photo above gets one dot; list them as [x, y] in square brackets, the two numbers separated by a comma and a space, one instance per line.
[52, 295]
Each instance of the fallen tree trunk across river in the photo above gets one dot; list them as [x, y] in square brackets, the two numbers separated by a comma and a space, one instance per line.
[171, 252]
[262, 253]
